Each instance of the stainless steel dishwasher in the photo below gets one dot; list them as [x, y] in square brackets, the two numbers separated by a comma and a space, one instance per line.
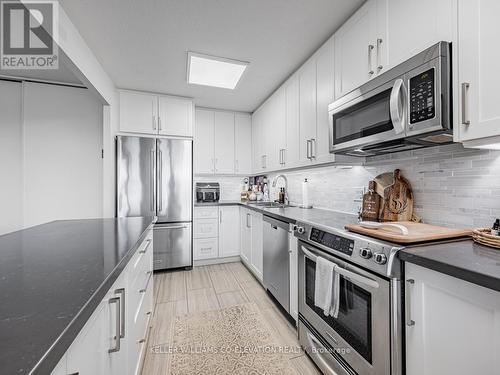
[276, 260]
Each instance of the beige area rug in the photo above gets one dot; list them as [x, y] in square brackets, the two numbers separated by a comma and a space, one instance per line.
[234, 340]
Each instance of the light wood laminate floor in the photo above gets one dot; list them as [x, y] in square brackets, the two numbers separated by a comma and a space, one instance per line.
[209, 288]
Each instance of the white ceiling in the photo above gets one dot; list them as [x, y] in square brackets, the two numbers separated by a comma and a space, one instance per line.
[143, 44]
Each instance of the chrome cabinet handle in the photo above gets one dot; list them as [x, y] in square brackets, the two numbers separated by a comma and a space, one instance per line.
[308, 149]
[248, 222]
[317, 352]
[220, 216]
[264, 161]
[284, 156]
[152, 179]
[379, 65]
[171, 227]
[159, 122]
[213, 165]
[121, 292]
[313, 148]
[160, 182]
[216, 160]
[154, 122]
[409, 322]
[370, 49]
[394, 105]
[116, 301]
[465, 88]
[236, 166]
[147, 283]
[143, 251]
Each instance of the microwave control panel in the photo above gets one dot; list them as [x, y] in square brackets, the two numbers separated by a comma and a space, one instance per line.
[342, 244]
[422, 98]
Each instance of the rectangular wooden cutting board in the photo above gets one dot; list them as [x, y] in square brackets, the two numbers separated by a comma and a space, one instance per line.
[417, 232]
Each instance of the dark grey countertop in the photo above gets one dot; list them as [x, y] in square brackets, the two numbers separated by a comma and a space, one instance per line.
[464, 260]
[52, 277]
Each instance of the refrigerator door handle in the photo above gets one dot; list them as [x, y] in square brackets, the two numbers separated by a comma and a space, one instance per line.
[152, 181]
[160, 182]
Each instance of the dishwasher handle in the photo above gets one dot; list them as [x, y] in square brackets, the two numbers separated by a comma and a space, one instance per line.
[275, 223]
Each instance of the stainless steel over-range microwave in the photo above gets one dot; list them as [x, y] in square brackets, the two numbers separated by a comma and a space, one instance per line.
[407, 107]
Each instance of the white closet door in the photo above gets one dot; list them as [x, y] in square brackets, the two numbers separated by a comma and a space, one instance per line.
[10, 157]
[62, 154]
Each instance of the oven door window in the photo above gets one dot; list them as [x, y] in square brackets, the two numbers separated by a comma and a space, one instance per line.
[354, 321]
[369, 117]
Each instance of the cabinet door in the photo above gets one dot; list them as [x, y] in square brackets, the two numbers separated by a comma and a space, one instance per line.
[292, 152]
[205, 248]
[243, 144]
[138, 112]
[257, 245]
[229, 231]
[175, 116]
[224, 142]
[324, 96]
[450, 316]
[276, 140]
[355, 50]
[479, 112]
[405, 39]
[246, 235]
[307, 111]
[257, 140]
[203, 145]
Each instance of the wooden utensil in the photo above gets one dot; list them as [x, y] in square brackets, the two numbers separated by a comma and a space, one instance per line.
[417, 232]
[398, 200]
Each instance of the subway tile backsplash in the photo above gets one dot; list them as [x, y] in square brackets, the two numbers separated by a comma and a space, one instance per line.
[452, 186]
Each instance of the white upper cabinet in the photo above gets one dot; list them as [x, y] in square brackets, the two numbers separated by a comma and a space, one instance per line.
[356, 45]
[275, 142]
[224, 142]
[175, 116]
[138, 112]
[243, 143]
[155, 114]
[324, 96]
[203, 145]
[292, 152]
[443, 316]
[307, 111]
[406, 38]
[478, 56]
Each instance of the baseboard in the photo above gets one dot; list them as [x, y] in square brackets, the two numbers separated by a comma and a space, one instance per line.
[207, 262]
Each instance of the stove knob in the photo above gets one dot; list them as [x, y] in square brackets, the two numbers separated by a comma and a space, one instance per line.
[365, 253]
[380, 258]
[300, 230]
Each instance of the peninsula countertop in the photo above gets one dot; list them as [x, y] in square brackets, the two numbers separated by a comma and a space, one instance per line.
[52, 277]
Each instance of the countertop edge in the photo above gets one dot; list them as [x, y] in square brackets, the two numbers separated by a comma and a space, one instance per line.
[451, 270]
[60, 346]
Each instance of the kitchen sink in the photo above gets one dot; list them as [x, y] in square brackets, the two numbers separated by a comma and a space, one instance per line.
[269, 204]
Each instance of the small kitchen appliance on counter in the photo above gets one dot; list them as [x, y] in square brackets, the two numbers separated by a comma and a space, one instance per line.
[207, 192]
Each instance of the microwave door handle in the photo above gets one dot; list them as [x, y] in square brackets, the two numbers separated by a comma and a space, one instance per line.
[346, 273]
[394, 105]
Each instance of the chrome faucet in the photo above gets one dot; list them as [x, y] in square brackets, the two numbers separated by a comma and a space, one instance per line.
[275, 180]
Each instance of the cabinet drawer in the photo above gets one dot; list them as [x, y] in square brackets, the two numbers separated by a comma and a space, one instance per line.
[206, 248]
[206, 212]
[206, 228]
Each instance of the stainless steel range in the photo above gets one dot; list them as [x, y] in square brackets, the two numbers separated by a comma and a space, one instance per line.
[366, 336]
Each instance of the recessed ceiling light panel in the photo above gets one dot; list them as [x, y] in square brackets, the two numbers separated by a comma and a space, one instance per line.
[214, 71]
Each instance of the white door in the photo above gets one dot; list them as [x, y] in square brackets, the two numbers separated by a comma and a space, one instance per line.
[307, 111]
[224, 142]
[138, 112]
[229, 231]
[257, 140]
[276, 139]
[203, 144]
[292, 152]
[246, 235]
[243, 144]
[257, 244]
[456, 325]
[11, 157]
[479, 112]
[405, 39]
[324, 96]
[175, 116]
[355, 49]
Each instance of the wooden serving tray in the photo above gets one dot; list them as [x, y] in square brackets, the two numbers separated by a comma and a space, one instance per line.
[483, 236]
[417, 232]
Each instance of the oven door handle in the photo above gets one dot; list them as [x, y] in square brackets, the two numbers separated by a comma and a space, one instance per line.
[346, 273]
[394, 104]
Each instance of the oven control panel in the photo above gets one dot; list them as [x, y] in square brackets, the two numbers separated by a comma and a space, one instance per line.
[332, 241]
[422, 106]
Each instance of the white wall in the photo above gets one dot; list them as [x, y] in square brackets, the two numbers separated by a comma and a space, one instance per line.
[50, 154]
[11, 182]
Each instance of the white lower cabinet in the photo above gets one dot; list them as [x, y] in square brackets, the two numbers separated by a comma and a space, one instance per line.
[206, 248]
[229, 231]
[452, 326]
[252, 241]
[113, 339]
[246, 235]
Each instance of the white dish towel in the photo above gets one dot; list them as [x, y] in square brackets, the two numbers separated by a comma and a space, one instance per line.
[326, 290]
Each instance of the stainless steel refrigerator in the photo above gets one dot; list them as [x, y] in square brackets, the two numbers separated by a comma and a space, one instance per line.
[155, 178]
